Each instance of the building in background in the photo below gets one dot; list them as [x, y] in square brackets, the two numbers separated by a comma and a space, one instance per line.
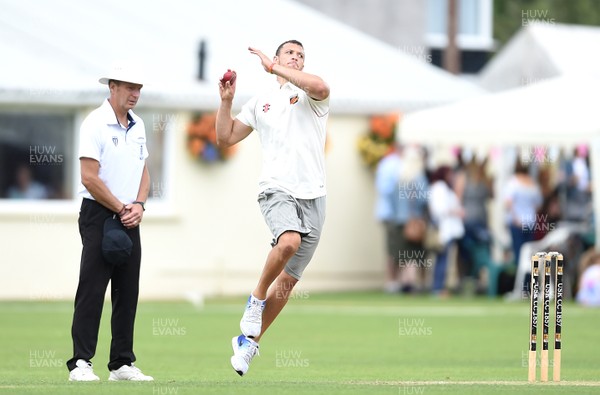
[419, 27]
[203, 229]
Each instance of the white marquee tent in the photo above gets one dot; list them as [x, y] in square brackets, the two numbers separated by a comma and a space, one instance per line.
[546, 82]
[541, 51]
[561, 111]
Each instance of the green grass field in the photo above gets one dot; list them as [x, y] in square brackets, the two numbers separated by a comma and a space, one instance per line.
[347, 343]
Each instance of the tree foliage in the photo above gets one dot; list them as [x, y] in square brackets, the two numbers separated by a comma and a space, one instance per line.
[509, 15]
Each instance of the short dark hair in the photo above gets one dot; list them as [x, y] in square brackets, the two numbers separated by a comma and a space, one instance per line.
[287, 42]
[521, 167]
[441, 174]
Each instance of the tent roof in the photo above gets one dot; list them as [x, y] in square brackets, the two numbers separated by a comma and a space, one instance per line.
[562, 110]
[54, 52]
[540, 51]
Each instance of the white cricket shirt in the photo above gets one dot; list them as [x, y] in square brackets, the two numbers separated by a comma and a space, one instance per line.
[292, 130]
[120, 151]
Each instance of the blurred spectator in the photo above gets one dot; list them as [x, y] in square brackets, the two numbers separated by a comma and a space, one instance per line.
[522, 199]
[578, 193]
[474, 190]
[386, 184]
[550, 212]
[402, 194]
[446, 214]
[588, 288]
[25, 186]
[412, 210]
[581, 171]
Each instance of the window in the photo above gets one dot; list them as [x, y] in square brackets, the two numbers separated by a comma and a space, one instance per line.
[474, 24]
[36, 155]
[39, 154]
[158, 127]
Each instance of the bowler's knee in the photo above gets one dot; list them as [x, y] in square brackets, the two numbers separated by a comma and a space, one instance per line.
[288, 243]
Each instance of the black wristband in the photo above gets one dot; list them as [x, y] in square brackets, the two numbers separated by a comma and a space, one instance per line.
[141, 204]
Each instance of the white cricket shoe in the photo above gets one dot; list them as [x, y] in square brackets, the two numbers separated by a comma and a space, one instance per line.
[131, 373]
[83, 372]
[244, 350]
[251, 322]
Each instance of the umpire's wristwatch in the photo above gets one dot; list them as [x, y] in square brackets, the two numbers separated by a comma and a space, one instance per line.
[140, 203]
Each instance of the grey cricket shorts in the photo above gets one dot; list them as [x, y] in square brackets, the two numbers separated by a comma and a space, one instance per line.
[283, 212]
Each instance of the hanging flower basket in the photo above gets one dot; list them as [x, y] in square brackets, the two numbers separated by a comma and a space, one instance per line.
[202, 139]
[379, 140]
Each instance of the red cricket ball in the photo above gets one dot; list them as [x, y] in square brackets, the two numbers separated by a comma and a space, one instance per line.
[228, 76]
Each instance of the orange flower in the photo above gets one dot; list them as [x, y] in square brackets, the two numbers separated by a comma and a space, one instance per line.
[379, 140]
[384, 126]
[196, 146]
[202, 139]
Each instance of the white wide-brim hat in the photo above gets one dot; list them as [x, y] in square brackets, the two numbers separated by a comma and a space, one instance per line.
[126, 71]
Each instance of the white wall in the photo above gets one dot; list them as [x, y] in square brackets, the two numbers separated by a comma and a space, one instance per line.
[211, 238]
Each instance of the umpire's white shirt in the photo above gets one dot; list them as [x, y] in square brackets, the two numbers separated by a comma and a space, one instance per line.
[292, 131]
[120, 151]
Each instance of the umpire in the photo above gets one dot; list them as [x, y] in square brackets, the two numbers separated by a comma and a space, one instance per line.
[114, 186]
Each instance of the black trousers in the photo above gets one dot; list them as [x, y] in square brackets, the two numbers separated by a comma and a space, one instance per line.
[94, 276]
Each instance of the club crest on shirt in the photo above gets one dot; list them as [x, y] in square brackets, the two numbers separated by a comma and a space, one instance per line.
[294, 99]
[266, 107]
[115, 140]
